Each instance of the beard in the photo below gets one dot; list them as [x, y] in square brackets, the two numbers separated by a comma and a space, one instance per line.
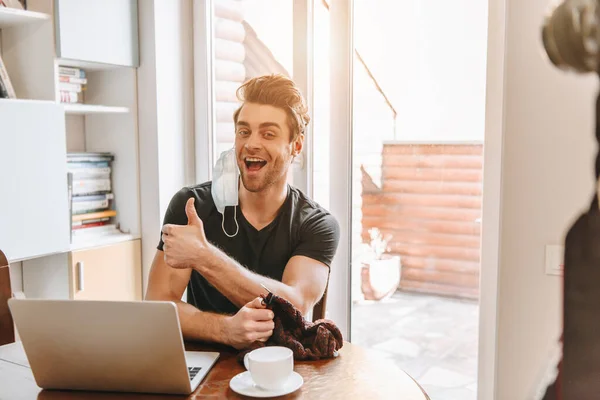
[267, 176]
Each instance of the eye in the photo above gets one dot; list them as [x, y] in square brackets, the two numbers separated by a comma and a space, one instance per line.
[243, 132]
[270, 134]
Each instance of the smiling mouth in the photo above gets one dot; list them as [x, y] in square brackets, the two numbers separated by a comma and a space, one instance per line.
[254, 164]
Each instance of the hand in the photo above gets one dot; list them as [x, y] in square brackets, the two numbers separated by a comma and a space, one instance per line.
[185, 245]
[251, 323]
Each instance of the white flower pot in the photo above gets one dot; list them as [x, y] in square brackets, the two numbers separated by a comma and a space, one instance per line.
[380, 278]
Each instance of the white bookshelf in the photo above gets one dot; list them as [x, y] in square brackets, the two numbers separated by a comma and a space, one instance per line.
[10, 17]
[104, 240]
[32, 42]
[83, 109]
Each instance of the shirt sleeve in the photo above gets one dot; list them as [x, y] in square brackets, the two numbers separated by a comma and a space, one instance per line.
[319, 238]
[175, 213]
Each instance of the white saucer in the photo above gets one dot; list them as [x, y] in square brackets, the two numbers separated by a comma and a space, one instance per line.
[243, 384]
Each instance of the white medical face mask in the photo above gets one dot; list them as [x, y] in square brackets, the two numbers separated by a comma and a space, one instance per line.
[225, 186]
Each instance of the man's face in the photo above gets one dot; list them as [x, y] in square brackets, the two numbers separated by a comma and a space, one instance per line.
[262, 145]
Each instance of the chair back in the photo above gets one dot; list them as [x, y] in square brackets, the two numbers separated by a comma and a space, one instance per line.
[7, 333]
[319, 308]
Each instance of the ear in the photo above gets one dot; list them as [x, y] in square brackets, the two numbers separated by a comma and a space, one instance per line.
[297, 145]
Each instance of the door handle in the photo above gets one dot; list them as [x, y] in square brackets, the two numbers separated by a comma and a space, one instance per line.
[80, 275]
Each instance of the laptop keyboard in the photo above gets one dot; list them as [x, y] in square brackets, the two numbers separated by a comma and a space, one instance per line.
[193, 371]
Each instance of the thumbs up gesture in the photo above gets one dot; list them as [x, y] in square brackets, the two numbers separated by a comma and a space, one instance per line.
[185, 245]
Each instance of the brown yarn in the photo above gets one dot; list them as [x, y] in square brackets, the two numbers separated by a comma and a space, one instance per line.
[308, 340]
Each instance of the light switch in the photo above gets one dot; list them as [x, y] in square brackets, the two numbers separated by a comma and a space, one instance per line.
[555, 259]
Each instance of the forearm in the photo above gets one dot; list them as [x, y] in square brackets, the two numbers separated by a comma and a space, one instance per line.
[241, 285]
[201, 325]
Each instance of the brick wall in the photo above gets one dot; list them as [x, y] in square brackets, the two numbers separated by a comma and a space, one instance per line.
[430, 202]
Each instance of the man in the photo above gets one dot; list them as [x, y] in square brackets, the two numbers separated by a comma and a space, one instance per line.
[275, 236]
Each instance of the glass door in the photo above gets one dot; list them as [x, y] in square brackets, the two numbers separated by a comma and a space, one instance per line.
[238, 40]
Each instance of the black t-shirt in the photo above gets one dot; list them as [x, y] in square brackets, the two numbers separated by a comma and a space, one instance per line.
[301, 228]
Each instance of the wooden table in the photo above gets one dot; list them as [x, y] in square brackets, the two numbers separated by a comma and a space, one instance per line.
[355, 374]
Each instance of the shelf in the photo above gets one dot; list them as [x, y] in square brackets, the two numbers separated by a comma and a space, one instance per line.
[88, 65]
[11, 17]
[93, 109]
[101, 240]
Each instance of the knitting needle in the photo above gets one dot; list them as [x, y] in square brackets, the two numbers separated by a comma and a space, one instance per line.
[264, 287]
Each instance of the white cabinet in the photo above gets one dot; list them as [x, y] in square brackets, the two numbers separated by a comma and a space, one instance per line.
[103, 32]
[34, 211]
[112, 272]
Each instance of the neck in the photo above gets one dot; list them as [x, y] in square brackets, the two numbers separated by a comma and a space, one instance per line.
[260, 208]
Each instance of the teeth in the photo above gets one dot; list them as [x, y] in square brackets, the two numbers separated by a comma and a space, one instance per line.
[252, 159]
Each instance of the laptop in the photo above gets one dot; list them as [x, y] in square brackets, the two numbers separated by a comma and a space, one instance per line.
[117, 346]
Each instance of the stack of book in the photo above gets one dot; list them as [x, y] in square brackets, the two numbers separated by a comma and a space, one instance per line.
[91, 197]
[71, 84]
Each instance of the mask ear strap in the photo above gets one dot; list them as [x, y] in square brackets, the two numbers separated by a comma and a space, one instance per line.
[237, 227]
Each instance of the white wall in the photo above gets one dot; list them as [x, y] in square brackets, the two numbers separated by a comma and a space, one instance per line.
[547, 179]
[430, 59]
[166, 126]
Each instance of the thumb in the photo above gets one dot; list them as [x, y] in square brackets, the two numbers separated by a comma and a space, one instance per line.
[256, 303]
[192, 215]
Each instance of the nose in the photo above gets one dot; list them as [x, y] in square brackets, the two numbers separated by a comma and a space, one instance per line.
[252, 142]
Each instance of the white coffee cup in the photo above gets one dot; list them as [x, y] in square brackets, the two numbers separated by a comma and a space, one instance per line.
[270, 367]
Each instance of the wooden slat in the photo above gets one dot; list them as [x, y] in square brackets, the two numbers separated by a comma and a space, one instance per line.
[229, 71]
[433, 187]
[435, 288]
[453, 149]
[436, 239]
[225, 110]
[225, 90]
[435, 251]
[433, 174]
[257, 51]
[430, 204]
[229, 51]
[229, 9]
[419, 199]
[434, 161]
[229, 30]
[398, 213]
[440, 277]
[440, 264]
[460, 228]
[225, 131]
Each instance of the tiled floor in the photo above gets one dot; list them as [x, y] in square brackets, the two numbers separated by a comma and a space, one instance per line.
[432, 338]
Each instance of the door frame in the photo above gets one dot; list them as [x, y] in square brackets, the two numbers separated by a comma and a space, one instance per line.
[339, 301]
[491, 201]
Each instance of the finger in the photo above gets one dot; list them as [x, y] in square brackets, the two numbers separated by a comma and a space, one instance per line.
[261, 315]
[263, 326]
[168, 229]
[263, 336]
[192, 215]
[256, 303]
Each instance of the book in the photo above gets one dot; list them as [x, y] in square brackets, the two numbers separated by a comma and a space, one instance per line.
[68, 97]
[90, 222]
[72, 79]
[91, 186]
[94, 231]
[70, 87]
[89, 157]
[84, 207]
[71, 71]
[94, 215]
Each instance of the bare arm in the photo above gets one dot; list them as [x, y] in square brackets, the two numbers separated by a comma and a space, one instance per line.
[186, 247]
[168, 284]
[303, 283]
